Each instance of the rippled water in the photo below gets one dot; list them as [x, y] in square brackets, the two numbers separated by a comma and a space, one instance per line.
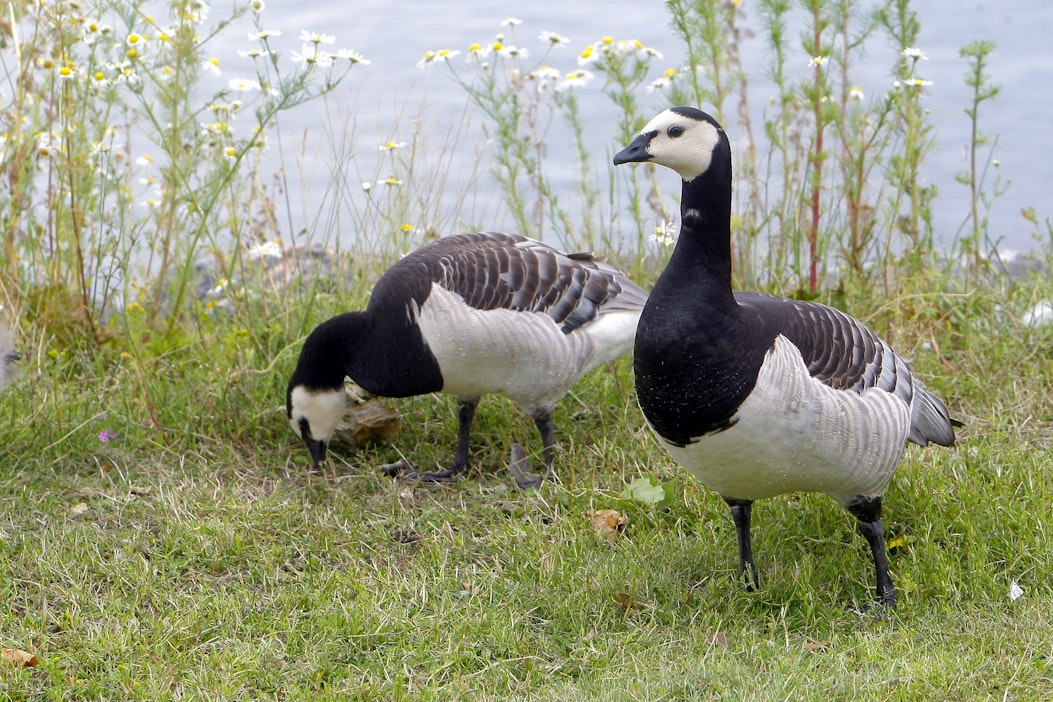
[382, 99]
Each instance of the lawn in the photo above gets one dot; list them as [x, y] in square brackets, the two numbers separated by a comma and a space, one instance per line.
[233, 571]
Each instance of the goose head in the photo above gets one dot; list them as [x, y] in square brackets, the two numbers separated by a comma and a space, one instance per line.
[314, 415]
[684, 139]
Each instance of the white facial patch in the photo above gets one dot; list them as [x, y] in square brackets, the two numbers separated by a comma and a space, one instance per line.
[690, 153]
[323, 411]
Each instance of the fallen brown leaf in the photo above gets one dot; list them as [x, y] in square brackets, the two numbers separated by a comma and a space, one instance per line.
[19, 658]
[608, 524]
[718, 638]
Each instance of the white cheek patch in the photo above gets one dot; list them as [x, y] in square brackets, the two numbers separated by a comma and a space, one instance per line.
[689, 154]
[323, 411]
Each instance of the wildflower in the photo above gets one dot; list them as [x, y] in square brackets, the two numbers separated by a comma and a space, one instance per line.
[254, 53]
[664, 82]
[647, 51]
[574, 79]
[367, 186]
[352, 56]
[264, 34]
[392, 181]
[391, 145]
[47, 145]
[144, 160]
[546, 75]
[664, 233]
[310, 55]
[243, 84]
[406, 227]
[105, 435]
[818, 60]
[553, 38]
[855, 93]
[268, 249]
[257, 6]
[510, 22]
[211, 65]
[918, 82]
[914, 53]
[478, 52]
[134, 309]
[198, 12]
[67, 71]
[316, 37]
[514, 52]
[433, 57]
[134, 39]
[588, 55]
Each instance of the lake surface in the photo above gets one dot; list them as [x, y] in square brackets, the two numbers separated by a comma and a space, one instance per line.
[382, 100]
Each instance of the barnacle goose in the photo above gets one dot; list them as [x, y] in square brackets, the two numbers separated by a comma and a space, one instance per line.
[8, 357]
[758, 395]
[468, 315]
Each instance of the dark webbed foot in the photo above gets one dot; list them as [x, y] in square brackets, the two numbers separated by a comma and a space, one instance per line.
[439, 476]
[520, 469]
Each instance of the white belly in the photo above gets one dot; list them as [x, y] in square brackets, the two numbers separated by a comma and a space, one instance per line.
[796, 434]
[521, 355]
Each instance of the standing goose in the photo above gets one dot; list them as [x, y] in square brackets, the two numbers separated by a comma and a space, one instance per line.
[468, 315]
[759, 395]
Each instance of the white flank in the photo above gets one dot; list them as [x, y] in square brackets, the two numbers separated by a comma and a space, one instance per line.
[323, 411]
[793, 433]
[521, 355]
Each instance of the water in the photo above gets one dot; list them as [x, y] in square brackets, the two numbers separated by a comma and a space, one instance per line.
[382, 98]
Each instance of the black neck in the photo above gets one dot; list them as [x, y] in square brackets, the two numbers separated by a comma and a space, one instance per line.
[384, 353]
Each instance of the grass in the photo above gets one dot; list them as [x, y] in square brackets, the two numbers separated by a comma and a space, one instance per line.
[234, 572]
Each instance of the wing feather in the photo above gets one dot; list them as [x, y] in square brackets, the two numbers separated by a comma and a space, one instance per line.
[845, 354]
[494, 271]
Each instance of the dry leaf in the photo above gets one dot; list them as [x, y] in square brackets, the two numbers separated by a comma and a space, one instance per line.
[718, 638]
[78, 509]
[19, 658]
[813, 646]
[625, 600]
[608, 523]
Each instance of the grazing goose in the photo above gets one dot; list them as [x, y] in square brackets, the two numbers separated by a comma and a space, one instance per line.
[8, 356]
[468, 315]
[758, 395]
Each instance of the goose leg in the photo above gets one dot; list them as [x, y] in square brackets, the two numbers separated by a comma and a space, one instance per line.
[465, 415]
[740, 512]
[868, 511]
[543, 417]
[546, 428]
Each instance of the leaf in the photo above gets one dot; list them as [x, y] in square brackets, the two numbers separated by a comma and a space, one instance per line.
[644, 492]
[608, 524]
[718, 639]
[19, 658]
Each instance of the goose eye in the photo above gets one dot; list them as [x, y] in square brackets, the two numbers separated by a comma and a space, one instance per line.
[675, 131]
